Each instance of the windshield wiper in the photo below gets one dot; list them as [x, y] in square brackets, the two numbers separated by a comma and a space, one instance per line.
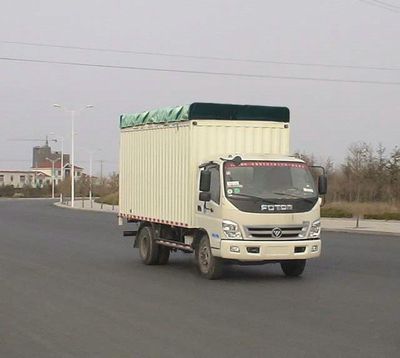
[295, 196]
[246, 196]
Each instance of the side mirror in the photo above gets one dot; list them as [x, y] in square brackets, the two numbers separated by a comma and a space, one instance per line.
[205, 181]
[205, 196]
[322, 184]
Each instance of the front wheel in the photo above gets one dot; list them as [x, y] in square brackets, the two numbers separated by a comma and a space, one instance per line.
[209, 266]
[293, 268]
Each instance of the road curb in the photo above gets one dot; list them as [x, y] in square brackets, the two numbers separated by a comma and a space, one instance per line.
[364, 232]
[63, 206]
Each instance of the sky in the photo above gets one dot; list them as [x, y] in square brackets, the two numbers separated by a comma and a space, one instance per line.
[354, 36]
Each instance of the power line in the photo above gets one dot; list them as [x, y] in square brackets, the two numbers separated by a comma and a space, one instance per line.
[373, 3]
[386, 4]
[212, 58]
[225, 74]
[380, 5]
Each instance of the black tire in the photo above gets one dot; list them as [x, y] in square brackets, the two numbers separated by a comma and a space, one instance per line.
[293, 268]
[163, 255]
[209, 266]
[148, 249]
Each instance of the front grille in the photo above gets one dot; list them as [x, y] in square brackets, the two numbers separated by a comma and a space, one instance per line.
[265, 232]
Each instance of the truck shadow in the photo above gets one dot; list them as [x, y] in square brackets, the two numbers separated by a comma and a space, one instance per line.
[182, 266]
[269, 273]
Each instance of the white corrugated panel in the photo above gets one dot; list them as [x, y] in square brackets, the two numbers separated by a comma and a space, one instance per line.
[159, 163]
[239, 137]
[154, 172]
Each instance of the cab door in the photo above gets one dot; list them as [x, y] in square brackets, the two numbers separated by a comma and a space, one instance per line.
[208, 213]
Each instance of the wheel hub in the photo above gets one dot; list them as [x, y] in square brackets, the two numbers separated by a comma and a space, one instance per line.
[144, 246]
[204, 257]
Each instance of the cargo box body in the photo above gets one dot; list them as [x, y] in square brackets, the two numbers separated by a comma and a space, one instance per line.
[159, 162]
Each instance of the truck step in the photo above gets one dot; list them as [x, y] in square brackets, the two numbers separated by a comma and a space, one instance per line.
[175, 245]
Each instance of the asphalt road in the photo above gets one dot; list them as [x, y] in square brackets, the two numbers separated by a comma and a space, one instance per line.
[71, 287]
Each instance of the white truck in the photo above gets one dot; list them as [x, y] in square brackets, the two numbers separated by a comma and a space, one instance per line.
[218, 180]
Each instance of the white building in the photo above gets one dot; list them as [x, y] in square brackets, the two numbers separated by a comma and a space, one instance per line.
[21, 178]
[46, 167]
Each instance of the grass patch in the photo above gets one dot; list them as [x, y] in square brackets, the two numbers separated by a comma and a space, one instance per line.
[384, 216]
[110, 199]
[369, 210]
[335, 213]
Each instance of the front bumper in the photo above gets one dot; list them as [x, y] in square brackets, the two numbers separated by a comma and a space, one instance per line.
[244, 250]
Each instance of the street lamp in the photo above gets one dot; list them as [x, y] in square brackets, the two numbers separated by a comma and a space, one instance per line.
[91, 154]
[61, 138]
[52, 174]
[91, 175]
[72, 113]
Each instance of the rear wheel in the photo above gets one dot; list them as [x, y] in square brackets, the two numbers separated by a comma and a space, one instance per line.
[148, 249]
[293, 268]
[209, 266]
[163, 255]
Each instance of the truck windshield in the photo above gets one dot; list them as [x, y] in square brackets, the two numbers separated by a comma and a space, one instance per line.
[269, 182]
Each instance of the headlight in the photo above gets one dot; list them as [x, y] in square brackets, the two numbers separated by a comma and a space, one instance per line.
[231, 230]
[315, 230]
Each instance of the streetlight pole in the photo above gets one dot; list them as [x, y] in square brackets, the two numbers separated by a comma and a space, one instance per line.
[62, 157]
[90, 178]
[72, 158]
[61, 138]
[91, 175]
[72, 113]
[53, 161]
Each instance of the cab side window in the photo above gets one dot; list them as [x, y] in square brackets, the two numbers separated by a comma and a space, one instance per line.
[215, 185]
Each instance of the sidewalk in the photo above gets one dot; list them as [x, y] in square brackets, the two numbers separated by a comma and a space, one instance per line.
[390, 227]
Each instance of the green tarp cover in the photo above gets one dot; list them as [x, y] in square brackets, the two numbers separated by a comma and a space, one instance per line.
[206, 111]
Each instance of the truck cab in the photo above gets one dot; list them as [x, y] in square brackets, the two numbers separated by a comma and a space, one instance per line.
[260, 209]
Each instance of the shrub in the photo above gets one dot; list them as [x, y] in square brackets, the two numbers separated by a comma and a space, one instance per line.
[335, 213]
[7, 191]
[110, 199]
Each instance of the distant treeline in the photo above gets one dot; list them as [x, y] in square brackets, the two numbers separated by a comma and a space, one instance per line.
[367, 175]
